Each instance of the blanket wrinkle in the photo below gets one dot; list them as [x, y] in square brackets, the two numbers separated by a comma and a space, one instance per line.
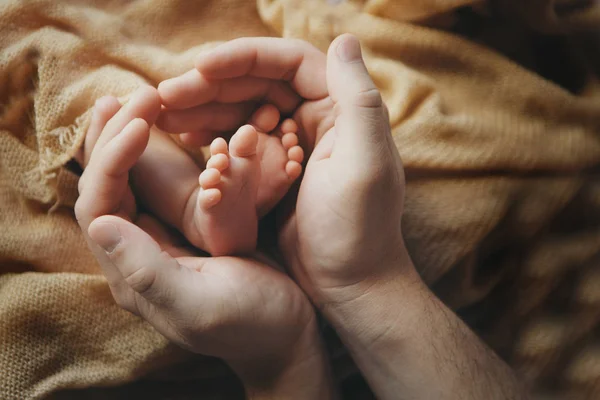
[494, 107]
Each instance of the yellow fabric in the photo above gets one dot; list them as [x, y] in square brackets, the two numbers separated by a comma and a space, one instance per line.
[496, 112]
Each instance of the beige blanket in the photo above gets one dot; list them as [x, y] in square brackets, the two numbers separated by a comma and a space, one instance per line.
[496, 112]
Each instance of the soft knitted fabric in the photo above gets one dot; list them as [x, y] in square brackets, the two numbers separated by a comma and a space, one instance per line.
[495, 108]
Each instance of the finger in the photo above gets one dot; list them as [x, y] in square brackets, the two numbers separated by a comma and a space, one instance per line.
[109, 172]
[314, 119]
[143, 266]
[213, 117]
[296, 61]
[143, 278]
[264, 119]
[361, 125]
[105, 108]
[117, 285]
[192, 89]
[144, 103]
[121, 153]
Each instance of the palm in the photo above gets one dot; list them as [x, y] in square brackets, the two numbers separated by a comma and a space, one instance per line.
[328, 207]
[233, 295]
[228, 295]
[318, 217]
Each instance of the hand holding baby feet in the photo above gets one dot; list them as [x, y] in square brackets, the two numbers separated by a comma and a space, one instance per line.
[243, 181]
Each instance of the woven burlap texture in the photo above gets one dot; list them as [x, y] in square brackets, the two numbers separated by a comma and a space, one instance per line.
[495, 108]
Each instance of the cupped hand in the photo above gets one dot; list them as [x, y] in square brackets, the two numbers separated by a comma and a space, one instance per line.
[242, 310]
[346, 229]
[232, 80]
[343, 228]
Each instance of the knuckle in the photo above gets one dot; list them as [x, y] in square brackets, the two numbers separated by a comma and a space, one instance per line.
[141, 280]
[368, 98]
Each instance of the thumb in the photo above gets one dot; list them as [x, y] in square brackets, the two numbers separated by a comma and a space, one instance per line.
[361, 123]
[142, 276]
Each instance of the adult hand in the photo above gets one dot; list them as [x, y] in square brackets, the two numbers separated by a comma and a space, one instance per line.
[241, 310]
[351, 195]
[353, 185]
[165, 176]
[343, 240]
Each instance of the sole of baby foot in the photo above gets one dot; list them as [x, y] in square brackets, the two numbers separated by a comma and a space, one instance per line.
[226, 217]
[280, 156]
[281, 164]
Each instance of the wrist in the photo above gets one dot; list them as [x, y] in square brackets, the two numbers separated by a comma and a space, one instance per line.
[396, 273]
[375, 307]
[406, 341]
[303, 372]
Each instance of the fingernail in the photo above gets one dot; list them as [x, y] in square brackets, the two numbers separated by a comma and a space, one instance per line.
[349, 49]
[106, 236]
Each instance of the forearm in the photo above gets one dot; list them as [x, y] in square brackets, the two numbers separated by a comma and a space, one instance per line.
[410, 346]
[303, 374]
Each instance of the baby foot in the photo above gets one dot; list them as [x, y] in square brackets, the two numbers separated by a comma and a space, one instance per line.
[244, 180]
[226, 217]
[280, 157]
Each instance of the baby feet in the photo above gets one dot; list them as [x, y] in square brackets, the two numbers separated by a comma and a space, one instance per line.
[244, 180]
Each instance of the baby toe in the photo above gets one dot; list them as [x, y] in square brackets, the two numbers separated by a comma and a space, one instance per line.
[209, 178]
[289, 126]
[293, 169]
[243, 143]
[209, 198]
[296, 154]
[266, 118]
[289, 140]
[218, 161]
[218, 146]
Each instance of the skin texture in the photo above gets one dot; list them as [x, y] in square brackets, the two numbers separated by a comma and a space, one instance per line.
[341, 241]
[199, 303]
